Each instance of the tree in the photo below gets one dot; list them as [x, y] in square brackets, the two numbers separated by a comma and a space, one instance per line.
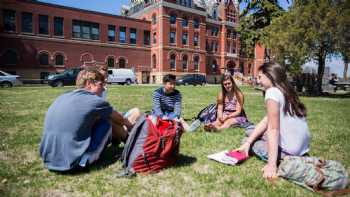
[255, 16]
[343, 35]
[308, 32]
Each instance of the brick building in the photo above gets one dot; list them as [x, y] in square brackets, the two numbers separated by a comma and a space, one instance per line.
[153, 37]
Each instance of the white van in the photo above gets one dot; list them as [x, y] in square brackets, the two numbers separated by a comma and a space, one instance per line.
[121, 76]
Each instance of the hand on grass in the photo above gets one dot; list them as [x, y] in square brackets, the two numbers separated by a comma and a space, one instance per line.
[244, 148]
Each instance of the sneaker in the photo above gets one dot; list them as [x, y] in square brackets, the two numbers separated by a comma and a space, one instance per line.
[194, 126]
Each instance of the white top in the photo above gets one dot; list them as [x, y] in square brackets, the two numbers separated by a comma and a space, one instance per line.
[294, 136]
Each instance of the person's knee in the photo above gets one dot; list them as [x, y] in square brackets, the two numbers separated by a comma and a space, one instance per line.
[135, 112]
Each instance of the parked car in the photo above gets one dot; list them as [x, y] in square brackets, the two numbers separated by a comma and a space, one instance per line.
[121, 76]
[68, 77]
[192, 79]
[8, 80]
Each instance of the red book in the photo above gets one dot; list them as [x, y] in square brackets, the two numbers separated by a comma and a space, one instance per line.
[240, 156]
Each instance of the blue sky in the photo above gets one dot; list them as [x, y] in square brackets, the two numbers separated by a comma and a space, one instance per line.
[113, 7]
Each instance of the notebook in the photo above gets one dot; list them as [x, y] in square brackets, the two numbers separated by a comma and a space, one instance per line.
[228, 157]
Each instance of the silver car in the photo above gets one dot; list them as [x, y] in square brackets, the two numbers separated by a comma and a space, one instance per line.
[8, 80]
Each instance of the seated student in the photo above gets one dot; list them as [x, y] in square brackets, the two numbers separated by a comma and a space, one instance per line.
[79, 124]
[167, 100]
[167, 103]
[229, 105]
[284, 131]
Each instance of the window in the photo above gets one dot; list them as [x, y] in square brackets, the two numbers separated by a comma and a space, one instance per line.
[214, 66]
[184, 38]
[196, 23]
[10, 57]
[9, 17]
[172, 62]
[58, 26]
[154, 19]
[215, 15]
[154, 61]
[111, 33]
[43, 24]
[122, 34]
[187, 3]
[132, 36]
[146, 37]
[27, 22]
[184, 62]
[44, 59]
[110, 62]
[121, 63]
[184, 22]
[214, 31]
[215, 46]
[154, 38]
[172, 19]
[228, 33]
[172, 37]
[86, 30]
[59, 60]
[95, 31]
[196, 63]
[196, 39]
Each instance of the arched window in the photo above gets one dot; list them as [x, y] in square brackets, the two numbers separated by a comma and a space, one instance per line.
[215, 14]
[196, 63]
[10, 57]
[172, 62]
[154, 38]
[154, 61]
[214, 66]
[184, 21]
[59, 60]
[110, 62]
[196, 23]
[121, 63]
[184, 62]
[172, 18]
[44, 59]
[154, 19]
[87, 57]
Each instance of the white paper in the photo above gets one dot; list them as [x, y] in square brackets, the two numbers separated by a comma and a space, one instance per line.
[223, 158]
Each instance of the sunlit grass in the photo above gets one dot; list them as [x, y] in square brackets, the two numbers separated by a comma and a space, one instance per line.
[22, 112]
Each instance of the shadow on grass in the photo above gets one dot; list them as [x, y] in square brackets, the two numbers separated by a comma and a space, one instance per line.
[108, 157]
[184, 160]
[336, 95]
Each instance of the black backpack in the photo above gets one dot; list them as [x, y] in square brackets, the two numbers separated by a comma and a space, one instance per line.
[208, 114]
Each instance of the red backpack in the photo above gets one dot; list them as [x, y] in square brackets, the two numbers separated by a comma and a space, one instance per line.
[151, 147]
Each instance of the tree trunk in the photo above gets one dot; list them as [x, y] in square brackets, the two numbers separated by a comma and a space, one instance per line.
[345, 72]
[321, 65]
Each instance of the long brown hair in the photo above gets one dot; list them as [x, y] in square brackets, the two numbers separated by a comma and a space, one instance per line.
[277, 75]
[235, 88]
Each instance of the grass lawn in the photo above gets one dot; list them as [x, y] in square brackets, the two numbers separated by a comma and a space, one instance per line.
[22, 111]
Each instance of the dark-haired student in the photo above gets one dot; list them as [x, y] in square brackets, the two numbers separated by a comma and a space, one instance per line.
[167, 103]
[284, 130]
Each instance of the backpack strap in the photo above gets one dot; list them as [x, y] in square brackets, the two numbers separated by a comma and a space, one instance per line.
[128, 146]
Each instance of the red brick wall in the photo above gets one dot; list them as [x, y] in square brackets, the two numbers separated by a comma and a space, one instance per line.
[138, 56]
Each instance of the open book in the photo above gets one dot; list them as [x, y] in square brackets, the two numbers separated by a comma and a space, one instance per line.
[228, 157]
